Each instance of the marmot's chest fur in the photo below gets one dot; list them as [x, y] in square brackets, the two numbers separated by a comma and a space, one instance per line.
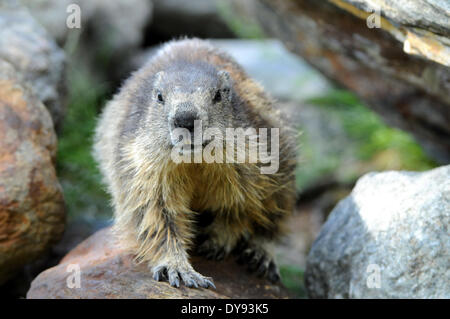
[150, 125]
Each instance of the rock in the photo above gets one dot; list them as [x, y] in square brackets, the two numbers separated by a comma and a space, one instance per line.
[429, 15]
[400, 69]
[35, 55]
[110, 31]
[75, 231]
[31, 200]
[388, 239]
[79, 229]
[200, 18]
[108, 271]
[52, 15]
[120, 22]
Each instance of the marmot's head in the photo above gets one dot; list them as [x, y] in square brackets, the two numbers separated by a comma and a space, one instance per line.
[186, 92]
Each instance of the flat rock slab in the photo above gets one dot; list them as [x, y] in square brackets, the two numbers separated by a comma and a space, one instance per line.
[108, 271]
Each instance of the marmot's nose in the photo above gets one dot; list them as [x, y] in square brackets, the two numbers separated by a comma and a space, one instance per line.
[185, 120]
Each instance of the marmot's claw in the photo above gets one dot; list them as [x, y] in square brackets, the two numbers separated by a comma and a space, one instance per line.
[259, 262]
[174, 279]
[210, 283]
[272, 273]
[160, 273]
[189, 277]
[220, 254]
[211, 251]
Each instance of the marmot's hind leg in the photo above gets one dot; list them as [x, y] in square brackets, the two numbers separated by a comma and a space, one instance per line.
[224, 236]
[257, 254]
[217, 240]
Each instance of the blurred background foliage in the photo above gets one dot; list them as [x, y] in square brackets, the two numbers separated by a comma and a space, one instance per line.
[84, 193]
[376, 146]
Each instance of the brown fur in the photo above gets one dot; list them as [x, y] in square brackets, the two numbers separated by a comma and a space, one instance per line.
[157, 201]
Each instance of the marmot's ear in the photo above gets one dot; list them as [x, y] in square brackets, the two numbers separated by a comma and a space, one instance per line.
[225, 79]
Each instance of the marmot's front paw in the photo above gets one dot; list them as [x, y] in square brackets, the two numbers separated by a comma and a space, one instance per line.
[258, 260]
[186, 273]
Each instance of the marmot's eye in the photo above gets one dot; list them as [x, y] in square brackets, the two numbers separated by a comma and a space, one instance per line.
[218, 97]
[160, 98]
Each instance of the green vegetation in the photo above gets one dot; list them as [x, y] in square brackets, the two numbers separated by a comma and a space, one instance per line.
[243, 29]
[371, 134]
[79, 176]
[292, 279]
[313, 165]
[369, 143]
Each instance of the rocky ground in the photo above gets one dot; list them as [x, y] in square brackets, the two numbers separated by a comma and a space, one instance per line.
[107, 271]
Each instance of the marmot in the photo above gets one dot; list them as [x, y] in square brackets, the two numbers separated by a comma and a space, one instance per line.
[164, 210]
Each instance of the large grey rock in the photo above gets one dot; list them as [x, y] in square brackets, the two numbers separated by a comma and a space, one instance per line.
[110, 31]
[120, 22]
[433, 15]
[29, 48]
[389, 239]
